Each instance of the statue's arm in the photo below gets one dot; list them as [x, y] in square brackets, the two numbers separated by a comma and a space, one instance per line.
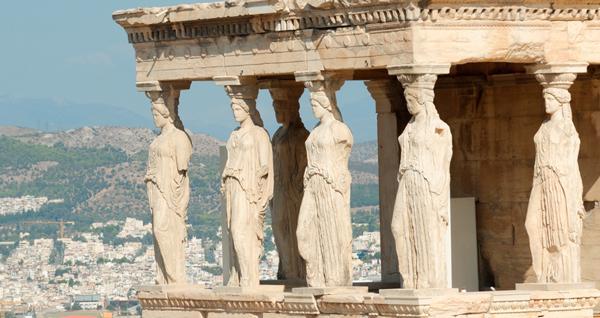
[183, 154]
[265, 159]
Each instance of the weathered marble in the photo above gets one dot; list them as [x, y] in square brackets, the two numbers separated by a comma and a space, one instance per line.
[392, 117]
[324, 227]
[353, 302]
[489, 108]
[168, 187]
[247, 186]
[422, 208]
[555, 212]
[289, 160]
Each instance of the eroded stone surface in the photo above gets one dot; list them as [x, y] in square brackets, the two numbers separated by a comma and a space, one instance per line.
[324, 226]
[555, 211]
[247, 186]
[289, 160]
[168, 187]
[422, 212]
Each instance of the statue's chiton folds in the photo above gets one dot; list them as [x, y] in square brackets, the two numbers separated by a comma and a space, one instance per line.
[421, 211]
[247, 186]
[289, 159]
[324, 226]
[168, 188]
[555, 211]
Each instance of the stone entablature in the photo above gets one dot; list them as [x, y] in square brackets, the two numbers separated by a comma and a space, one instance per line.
[201, 41]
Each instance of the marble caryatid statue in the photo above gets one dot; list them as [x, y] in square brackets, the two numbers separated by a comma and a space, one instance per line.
[324, 226]
[247, 185]
[421, 210]
[168, 193]
[289, 159]
[555, 211]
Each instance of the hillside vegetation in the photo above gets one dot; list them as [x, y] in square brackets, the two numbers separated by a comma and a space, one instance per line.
[99, 171]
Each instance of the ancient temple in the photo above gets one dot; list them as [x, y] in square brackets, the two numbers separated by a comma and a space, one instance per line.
[494, 100]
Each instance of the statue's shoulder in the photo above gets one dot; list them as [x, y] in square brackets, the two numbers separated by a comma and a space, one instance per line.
[259, 134]
[341, 131]
[339, 127]
[182, 138]
[442, 128]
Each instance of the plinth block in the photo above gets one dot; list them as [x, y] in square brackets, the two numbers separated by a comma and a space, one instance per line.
[261, 289]
[424, 292]
[555, 286]
[319, 291]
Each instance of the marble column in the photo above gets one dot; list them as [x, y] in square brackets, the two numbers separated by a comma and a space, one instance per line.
[167, 181]
[324, 225]
[392, 117]
[555, 210]
[421, 217]
[247, 183]
[289, 163]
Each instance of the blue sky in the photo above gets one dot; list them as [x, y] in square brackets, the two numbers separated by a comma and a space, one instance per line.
[71, 52]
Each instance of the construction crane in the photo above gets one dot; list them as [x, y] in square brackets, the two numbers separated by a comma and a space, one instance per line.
[61, 225]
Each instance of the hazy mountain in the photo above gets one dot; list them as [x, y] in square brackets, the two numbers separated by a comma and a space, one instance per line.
[129, 140]
[53, 115]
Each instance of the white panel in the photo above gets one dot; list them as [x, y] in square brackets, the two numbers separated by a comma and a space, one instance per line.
[464, 244]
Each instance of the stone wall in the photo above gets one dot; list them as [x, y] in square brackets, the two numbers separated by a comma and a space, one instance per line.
[493, 122]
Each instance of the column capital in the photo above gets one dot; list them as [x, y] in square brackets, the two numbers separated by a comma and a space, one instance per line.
[557, 68]
[158, 86]
[239, 87]
[326, 84]
[232, 80]
[283, 90]
[557, 75]
[317, 80]
[166, 93]
[435, 69]
[420, 76]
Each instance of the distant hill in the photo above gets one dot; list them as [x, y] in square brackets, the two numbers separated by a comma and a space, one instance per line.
[129, 140]
[99, 171]
[55, 115]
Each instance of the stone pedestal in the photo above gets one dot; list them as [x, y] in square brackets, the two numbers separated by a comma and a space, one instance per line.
[555, 286]
[319, 291]
[262, 289]
[425, 292]
[192, 301]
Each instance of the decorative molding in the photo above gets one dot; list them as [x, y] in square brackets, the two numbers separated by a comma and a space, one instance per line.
[158, 298]
[153, 30]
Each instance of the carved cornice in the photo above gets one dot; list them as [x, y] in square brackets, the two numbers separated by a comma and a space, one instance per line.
[155, 25]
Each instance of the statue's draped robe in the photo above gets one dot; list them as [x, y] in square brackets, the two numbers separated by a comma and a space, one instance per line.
[324, 225]
[168, 193]
[289, 160]
[247, 189]
[420, 219]
[554, 223]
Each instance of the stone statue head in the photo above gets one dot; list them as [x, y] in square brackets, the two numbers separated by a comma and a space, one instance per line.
[244, 108]
[321, 104]
[557, 99]
[160, 113]
[419, 94]
[420, 99]
[286, 112]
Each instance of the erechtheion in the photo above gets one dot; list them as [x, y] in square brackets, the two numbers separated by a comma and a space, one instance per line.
[495, 100]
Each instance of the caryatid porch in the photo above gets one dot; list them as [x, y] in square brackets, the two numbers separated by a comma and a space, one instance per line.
[478, 50]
